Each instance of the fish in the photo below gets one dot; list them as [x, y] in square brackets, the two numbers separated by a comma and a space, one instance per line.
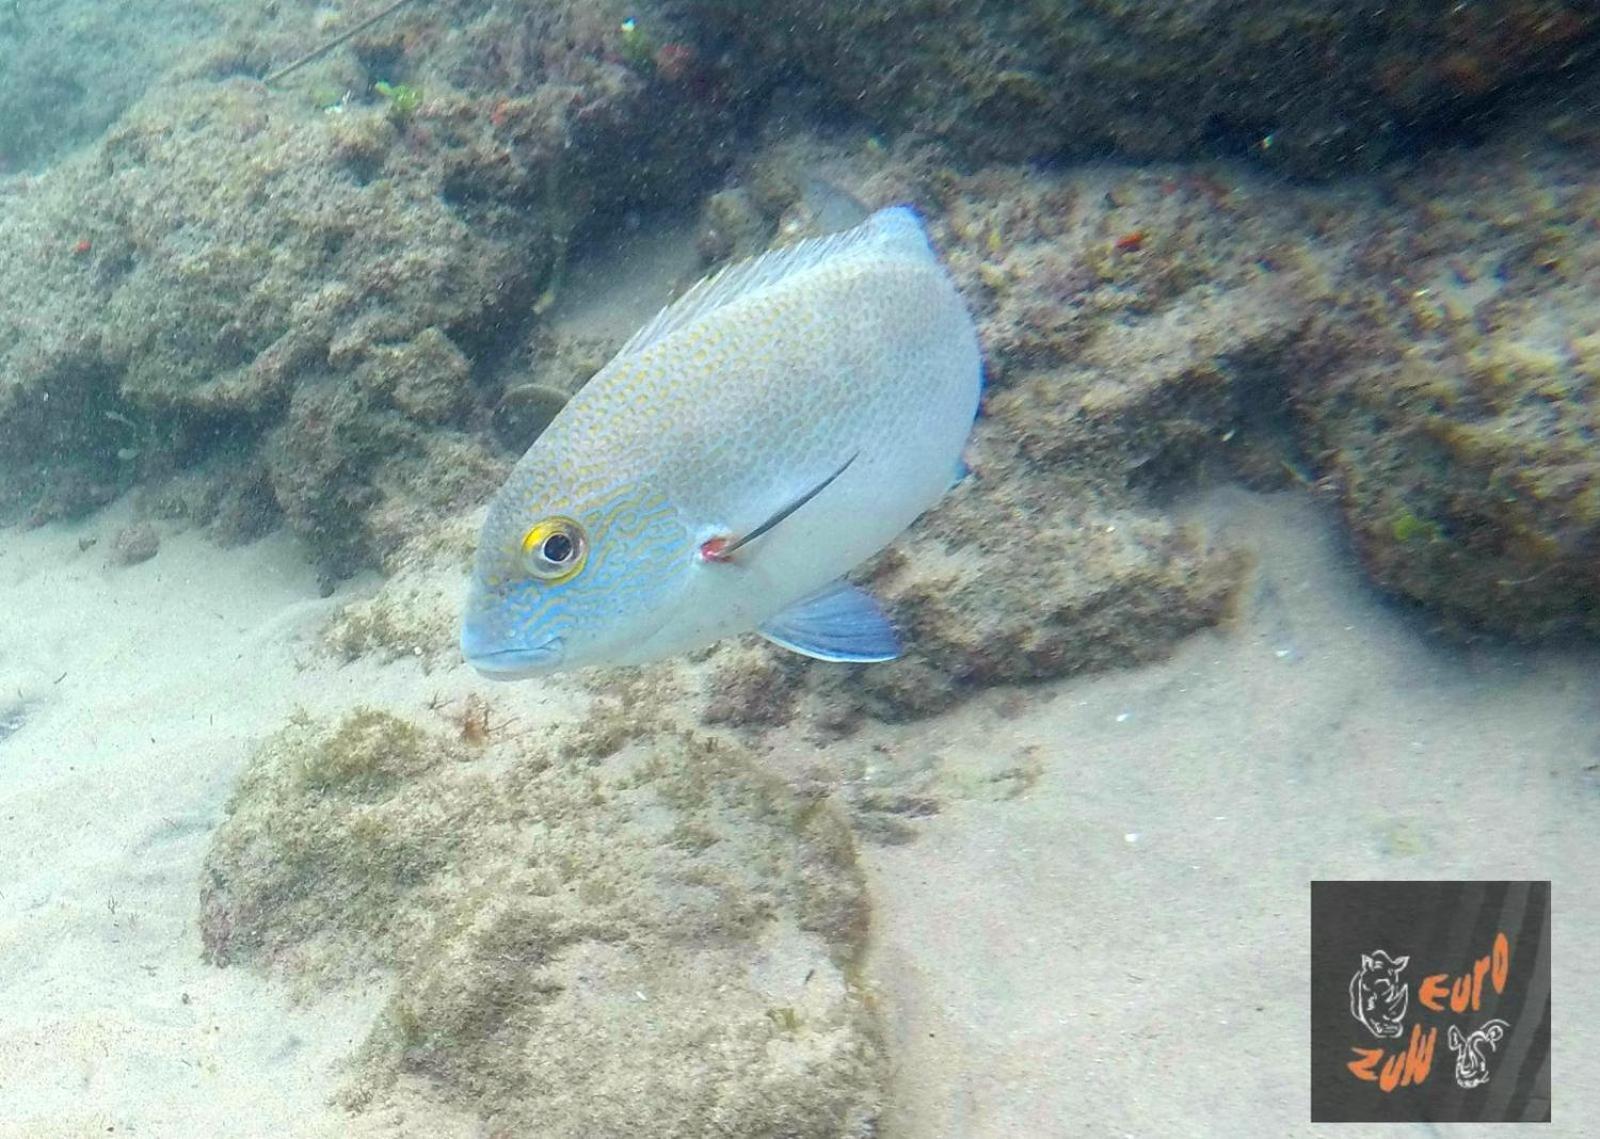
[780, 423]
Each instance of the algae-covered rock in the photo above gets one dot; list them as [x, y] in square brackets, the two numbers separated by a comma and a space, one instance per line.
[1310, 85]
[1065, 590]
[229, 266]
[404, 618]
[634, 934]
[314, 871]
[424, 378]
[252, 249]
[325, 289]
[360, 479]
[994, 589]
[1462, 440]
[1473, 484]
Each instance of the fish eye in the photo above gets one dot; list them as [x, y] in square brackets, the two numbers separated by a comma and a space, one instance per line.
[555, 549]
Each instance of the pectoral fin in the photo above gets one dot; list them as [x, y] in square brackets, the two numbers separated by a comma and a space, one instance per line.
[838, 623]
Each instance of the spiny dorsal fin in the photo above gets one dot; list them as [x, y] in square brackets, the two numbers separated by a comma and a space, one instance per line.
[896, 228]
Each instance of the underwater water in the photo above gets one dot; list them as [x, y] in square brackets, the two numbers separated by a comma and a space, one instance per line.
[357, 779]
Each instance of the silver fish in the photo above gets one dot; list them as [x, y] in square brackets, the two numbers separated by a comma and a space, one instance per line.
[777, 425]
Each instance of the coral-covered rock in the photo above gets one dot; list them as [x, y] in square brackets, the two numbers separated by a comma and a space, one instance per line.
[1464, 450]
[308, 280]
[1308, 84]
[612, 933]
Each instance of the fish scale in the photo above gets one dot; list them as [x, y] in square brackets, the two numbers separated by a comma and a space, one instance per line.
[831, 385]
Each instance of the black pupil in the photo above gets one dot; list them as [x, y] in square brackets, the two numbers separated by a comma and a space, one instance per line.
[557, 548]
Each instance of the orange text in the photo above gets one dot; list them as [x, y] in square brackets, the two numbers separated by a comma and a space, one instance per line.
[1402, 1068]
[1466, 991]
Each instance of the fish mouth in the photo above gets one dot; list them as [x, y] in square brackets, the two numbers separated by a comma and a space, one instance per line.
[510, 663]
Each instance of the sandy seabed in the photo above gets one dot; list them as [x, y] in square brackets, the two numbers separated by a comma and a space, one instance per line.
[1121, 949]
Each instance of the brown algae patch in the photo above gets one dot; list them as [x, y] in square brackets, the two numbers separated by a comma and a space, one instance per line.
[661, 940]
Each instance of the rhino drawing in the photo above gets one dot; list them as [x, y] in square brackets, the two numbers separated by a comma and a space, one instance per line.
[1378, 998]
[1472, 1066]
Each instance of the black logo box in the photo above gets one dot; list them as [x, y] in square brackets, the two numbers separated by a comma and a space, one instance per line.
[1437, 928]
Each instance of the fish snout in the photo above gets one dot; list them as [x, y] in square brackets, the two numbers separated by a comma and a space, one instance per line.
[497, 659]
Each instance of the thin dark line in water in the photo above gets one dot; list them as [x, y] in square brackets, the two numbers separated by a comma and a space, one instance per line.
[318, 53]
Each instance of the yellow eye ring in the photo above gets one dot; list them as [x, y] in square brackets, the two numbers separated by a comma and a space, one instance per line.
[555, 550]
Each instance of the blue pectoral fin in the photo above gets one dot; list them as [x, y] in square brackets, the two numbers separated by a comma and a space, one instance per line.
[959, 475]
[839, 623]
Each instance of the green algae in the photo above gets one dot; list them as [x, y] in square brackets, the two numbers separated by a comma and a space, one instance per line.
[636, 45]
[1407, 527]
[403, 99]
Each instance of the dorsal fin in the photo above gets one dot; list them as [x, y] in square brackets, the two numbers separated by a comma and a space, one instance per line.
[896, 228]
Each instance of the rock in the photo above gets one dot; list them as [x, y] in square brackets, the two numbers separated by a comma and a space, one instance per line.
[1461, 441]
[731, 227]
[135, 543]
[196, 283]
[1310, 86]
[636, 931]
[425, 378]
[524, 411]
